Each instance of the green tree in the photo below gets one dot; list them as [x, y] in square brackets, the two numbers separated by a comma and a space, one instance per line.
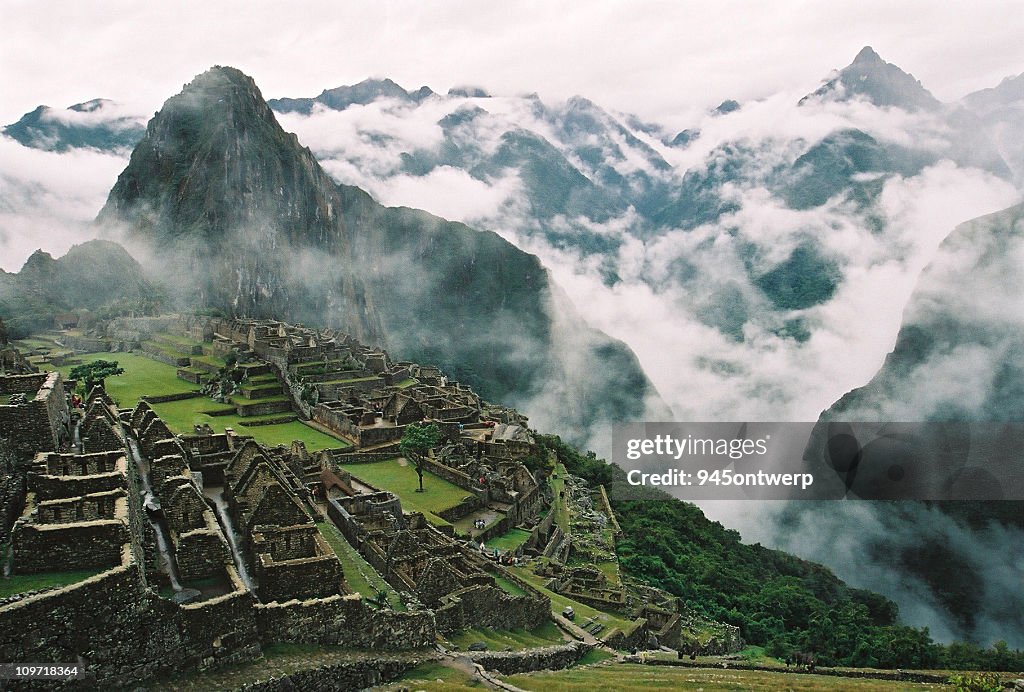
[416, 441]
[95, 372]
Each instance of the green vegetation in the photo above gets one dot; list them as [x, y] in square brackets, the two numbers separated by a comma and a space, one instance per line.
[626, 677]
[559, 602]
[142, 377]
[777, 600]
[94, 372]
[20, 583]
[434, 676]
[594, 656]
[407, 382]
[416, 441]
[509, 541]
[807, 278]
[557, 482]
[438, 494]
[547, 634]
[977, 682]
[181, 417]
[359, 574]
[509, 586]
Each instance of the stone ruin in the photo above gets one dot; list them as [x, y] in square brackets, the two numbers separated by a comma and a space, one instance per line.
[269, 504]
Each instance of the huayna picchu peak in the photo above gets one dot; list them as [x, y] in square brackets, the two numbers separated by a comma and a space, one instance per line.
[237, 209]
[237, 215]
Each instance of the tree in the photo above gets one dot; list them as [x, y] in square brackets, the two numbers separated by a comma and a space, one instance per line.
[416, 442]
[95, 372]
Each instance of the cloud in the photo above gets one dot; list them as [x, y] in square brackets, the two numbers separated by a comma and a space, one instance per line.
[113, 115]
[48, 199]
[652, 57]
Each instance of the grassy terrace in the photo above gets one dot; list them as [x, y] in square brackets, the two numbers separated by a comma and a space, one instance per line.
[352, 380]
[624, 677]
[509, 541]
[407, 382]
[547, 634]
[559, 602]
[179, 339]
[509, 586]
[142, 376]
[561, 507]
[359, 574]
[438, 494]
[215, 361]
[147, 377]
[181, 416]
[34, 342]
[20, 583]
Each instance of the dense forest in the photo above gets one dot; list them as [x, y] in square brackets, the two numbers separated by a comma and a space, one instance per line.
[778, 601]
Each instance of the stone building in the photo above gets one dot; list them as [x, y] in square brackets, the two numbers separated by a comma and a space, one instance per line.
[34, 413]
[269, 505]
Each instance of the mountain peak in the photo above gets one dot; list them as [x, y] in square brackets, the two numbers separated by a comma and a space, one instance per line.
[882, 83]
[217, 177]
[867, 54]
[340, 98]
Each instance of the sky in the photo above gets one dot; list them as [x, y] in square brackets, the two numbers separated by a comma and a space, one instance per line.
[658, 59]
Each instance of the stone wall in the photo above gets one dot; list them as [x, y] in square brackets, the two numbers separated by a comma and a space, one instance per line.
[456, 477]
[547, 658]
[84, 545]
[12, 500]
[335, 391]
[40, 424]
[350, 675]
[263, 408]
[123, 633]
[344, 621]
[491, 607]
[180, 396]
[22, 384]
[301, 578]
[99, 436]
[156, 353]
[201, 553]
[49, 487]
[84, 344]
[467, 506]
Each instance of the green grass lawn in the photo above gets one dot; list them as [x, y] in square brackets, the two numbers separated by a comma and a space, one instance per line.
[407, 382]
[509, 541]
[142, 376]
[624, 677]
[215, 361]
[561, 507]
[181, 416]
[20, 583]
[438, 494]
[509, 586]
[359, 574]
[433, 676]
[547, 634]
[147, 377]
